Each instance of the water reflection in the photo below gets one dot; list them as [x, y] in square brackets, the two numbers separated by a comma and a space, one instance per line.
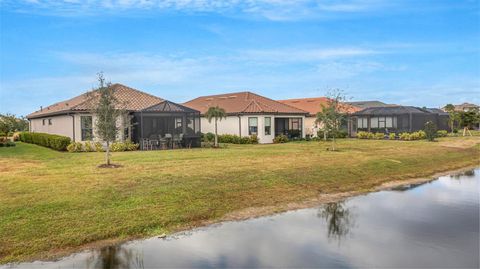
[115, 257]
[428, 226]
[338, 218]
[469, 173]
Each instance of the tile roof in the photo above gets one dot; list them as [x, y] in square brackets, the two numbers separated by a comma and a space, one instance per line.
[132, 99]
[242, 102]
[314, 105]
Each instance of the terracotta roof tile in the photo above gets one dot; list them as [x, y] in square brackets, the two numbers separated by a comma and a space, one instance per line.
[132, 99]
[242, 102]
[314, 105]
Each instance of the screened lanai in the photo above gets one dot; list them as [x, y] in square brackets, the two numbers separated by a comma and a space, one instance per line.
[167, 125]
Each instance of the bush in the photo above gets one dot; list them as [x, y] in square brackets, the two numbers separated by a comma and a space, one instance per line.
[208, 137]
[392, 136]
[98, 147]
[123, 146]
[338, 134]
[75, 147]
[130, 146]
[442, 133]
[7, 144]
[235, 139]
[254, 139]
[362, 135]
[56, 142]
[379, 136]
[430, 130]
[280, 139]
[89, 146]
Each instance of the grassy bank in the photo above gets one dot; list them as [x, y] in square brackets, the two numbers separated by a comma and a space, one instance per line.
[53, 202]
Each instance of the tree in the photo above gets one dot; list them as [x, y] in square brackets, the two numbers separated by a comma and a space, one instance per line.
[468, 120]
[430, 130]
[331, 116]
[10, 123]
[453, 116]
[107, 110]
[216, 113]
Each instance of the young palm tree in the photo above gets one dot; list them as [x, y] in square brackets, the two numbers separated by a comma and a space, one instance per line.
[216, 113]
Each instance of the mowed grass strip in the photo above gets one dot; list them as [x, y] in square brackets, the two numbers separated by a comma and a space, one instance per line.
[55, 202]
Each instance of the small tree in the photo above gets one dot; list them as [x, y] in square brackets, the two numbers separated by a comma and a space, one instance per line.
[453, 116]
[107, 111]
[10, 123]
[430, 130]
[216, 113]
[468, 120]
[331, 116]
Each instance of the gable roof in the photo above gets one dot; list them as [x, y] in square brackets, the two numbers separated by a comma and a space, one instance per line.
[395, 110]
[314, 105]
[167, 106]
[133, 99]
[242, 103]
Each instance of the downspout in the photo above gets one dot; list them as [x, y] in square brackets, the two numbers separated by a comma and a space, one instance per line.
[73, 125]
[239, 125]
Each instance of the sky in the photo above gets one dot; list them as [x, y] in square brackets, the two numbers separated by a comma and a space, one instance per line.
[422, 52]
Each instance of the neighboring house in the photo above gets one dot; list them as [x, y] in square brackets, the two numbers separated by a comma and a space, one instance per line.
[148, 117]
[368, 104]
[251, 114]
[465, 107]
[397, 119]
[313, 106]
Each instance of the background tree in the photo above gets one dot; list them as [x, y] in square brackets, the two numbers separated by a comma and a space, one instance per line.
[10, 123]
[453, 116]
[468, 120]
[331, 115]
[216, 113]
[107, 110]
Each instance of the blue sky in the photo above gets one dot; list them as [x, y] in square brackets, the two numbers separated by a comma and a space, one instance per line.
[424, 53]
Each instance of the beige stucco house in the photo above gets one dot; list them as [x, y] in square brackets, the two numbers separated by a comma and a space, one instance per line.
[251, 114]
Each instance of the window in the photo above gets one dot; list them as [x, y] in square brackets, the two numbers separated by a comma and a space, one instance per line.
[388, 122]
[49, 121]
[252, 126]
[178, 122]
[374, 122]
[43, 122]
[268, 125]
[295, 124]
[86, 125]
[362, 123]
[381, 122]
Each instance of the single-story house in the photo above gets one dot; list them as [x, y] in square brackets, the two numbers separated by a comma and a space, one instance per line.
[397, 119]
[465, 107]
[148, 118]
[313, 106]
[251, 114]
[368, 104]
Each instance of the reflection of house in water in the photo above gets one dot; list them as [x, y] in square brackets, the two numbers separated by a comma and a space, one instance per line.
[338, 218]
[469, 173]
[117, 257]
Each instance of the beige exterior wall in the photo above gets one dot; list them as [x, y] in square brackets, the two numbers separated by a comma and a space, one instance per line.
[235, 125]
[311, 126]
[60, 125]
[63, 125]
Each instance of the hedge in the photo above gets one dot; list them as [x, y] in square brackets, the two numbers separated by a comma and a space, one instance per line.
[56, 142]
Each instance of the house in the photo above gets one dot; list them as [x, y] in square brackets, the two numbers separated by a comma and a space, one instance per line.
[397, 119]
[313, 106]
[368, 104]
[147, 117]
[465, 107]
[251, 114]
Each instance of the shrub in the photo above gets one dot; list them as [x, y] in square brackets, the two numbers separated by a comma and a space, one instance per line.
[7, 144]
[362, 135]
[56, 142]
[118, 146]
[430, 130]
[442, 133]
[379, 136]
[280, 139]
[89, 146]
[208, 137]
[392, 136]
[130, 146]
[75, 147]
[2, 134]
[404, 136]
[254, 139]
[98, 147]
[338, 134]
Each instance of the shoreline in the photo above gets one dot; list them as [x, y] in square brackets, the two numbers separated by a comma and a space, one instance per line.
[245, 214]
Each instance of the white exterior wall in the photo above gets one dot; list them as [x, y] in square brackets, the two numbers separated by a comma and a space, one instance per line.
[63, 125]
[231, 125]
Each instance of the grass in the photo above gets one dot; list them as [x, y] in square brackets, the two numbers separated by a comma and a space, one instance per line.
[54, 202]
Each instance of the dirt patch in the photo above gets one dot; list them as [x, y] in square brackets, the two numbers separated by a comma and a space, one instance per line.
[11, 165]
[110, 166]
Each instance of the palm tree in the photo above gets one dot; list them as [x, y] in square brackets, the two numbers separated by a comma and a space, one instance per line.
[216, 113]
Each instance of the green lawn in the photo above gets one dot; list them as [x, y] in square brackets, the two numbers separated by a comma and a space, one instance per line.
[55, 202]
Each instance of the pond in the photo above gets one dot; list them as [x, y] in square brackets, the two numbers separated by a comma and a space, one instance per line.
[435, 224]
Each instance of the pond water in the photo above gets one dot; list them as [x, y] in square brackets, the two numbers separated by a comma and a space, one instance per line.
[433, 225]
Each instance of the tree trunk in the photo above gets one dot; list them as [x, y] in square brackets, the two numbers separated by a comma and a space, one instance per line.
[216, 136]
[107, 154]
